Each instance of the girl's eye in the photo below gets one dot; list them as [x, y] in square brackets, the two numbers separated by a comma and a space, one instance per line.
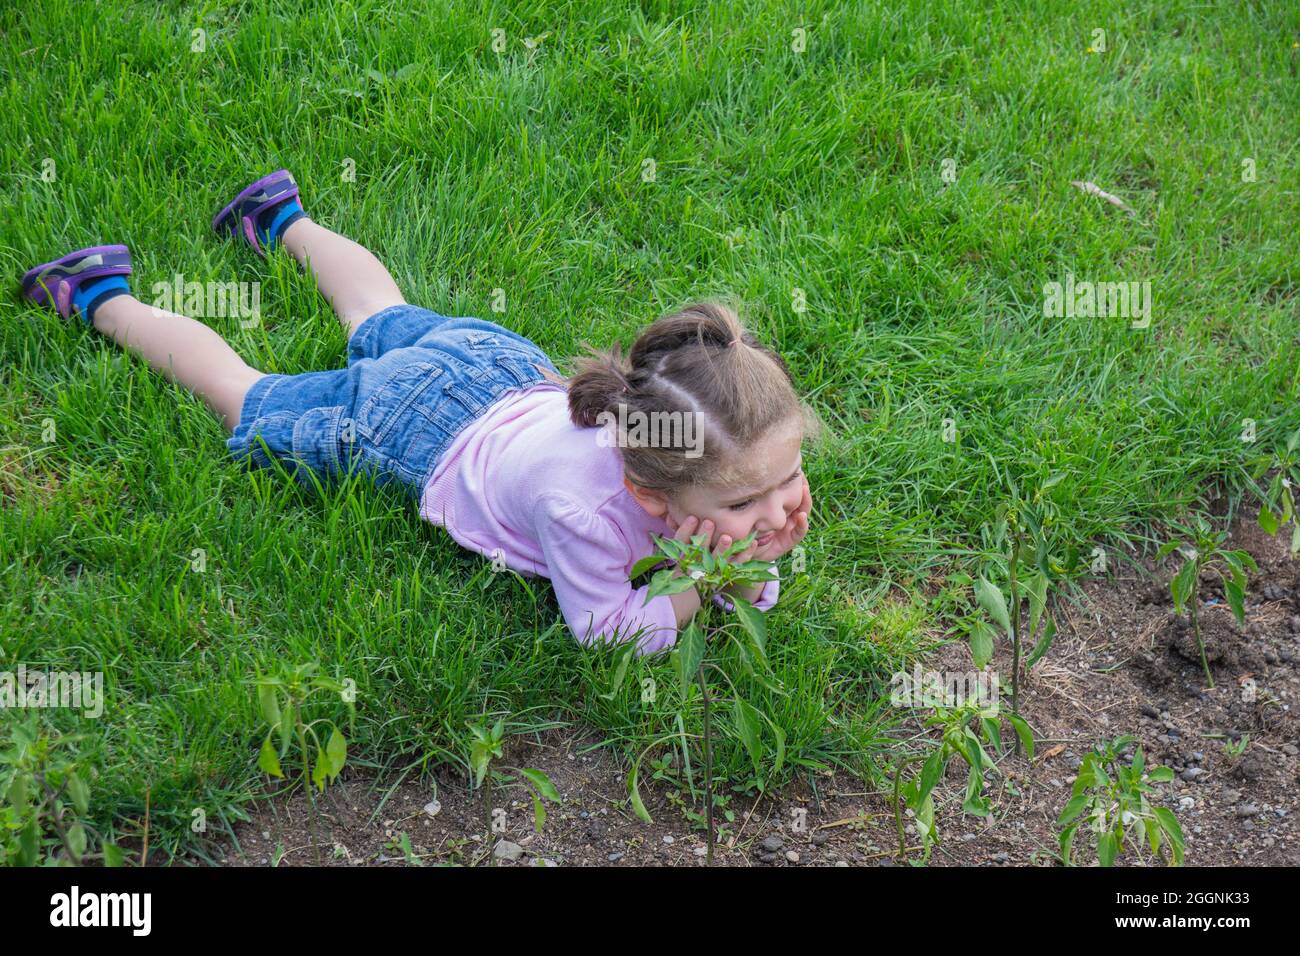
[742, 505]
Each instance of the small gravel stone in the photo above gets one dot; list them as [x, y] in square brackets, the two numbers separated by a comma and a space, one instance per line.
[1191, 773]
[819, 838]
[1247, 810]
[505, 850]
[614, 857]
[432, 808]
[773, 844]
[792, 856]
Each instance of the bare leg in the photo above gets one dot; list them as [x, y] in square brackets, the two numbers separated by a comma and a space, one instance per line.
[356, 283]
[184, 351]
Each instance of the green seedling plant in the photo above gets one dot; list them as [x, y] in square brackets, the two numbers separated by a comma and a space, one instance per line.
[1019, 535]
[487, 746]
[282, 698]
[1109, 802]
[701, 647]
[1279, 509]
[43, 787]
[1202, 550]
[1238, 747]
[967, 727]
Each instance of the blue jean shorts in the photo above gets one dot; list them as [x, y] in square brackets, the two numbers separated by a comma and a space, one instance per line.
[414, 380]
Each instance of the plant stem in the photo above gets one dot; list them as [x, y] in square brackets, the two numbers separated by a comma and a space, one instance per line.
[898, 805]
[1194, 614]
[487, 814]
[311, 797]
[1015, 635]
[708, 766]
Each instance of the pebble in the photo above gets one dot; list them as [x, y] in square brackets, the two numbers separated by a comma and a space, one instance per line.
[668, 839]
[967, 837]
[819, 838]
[505, 850]
[1149, 711]
[841, 863]
[773, 844]
[1056, 782]
[1001, 857]
[1191, 773]
[792, 856]
[614, 857]
[701, 851]
[1247, 810]
[1197, 756]
[767, 858]
[1186, 803]
[432, 808]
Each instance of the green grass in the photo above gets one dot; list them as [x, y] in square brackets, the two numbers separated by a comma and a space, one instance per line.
[522, 171]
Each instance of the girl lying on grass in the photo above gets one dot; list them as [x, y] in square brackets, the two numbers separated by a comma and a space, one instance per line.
[474, 420]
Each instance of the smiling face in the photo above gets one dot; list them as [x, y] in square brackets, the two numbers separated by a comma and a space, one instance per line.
[762, 501]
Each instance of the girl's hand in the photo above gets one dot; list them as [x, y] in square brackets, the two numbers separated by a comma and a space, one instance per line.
[692, 525]
[796, 528]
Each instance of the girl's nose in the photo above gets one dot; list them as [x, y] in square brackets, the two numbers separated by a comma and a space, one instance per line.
[773, 518]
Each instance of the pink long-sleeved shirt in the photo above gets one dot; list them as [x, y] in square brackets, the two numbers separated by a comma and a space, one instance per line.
[524, 484]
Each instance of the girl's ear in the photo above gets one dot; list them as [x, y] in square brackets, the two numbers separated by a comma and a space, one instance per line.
[654, 502]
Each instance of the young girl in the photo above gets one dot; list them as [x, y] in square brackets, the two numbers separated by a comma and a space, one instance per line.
[475, 421]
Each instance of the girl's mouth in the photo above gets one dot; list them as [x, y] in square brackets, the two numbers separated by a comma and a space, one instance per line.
[764, 540]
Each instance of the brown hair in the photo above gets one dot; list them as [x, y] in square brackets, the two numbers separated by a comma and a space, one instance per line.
[700, 360]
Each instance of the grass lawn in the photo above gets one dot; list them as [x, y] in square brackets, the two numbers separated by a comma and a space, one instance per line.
[885, 203]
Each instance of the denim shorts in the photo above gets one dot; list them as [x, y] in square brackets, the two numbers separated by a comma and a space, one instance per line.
[414, 380]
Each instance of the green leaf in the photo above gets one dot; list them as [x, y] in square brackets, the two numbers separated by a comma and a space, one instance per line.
[753, 621]
[990, 598]
[113, 855]
[931, 770]
[689, 653]
[663, 582]
[1043, 645]
[1025, 734]
[1295, 538]
[1037, 601]
[1181, 585]
[1072, 809]
[1169, 823]
[992, 733]
[645, 565]
[267, 759]
[336, 750]
[320, 771]
[79, 793]
[539, 812]
[1067, 843]
[77, 840]
[269, 704]
[1268, 520]
[1160, 775]
[748, 723]
[29, 843]
[1107, 848]
[286, 729]
[981, 643]
[542, 782]
[622, 658]
[18, 792]
[634, 794]
[1236, 596]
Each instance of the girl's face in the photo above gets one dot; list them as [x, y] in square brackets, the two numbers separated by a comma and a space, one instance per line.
[763, 507]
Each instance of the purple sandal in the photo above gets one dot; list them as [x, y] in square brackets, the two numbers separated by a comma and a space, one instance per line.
[240, 217]
[56, 282]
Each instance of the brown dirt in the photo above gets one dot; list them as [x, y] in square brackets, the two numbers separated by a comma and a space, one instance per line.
[1121, 663]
